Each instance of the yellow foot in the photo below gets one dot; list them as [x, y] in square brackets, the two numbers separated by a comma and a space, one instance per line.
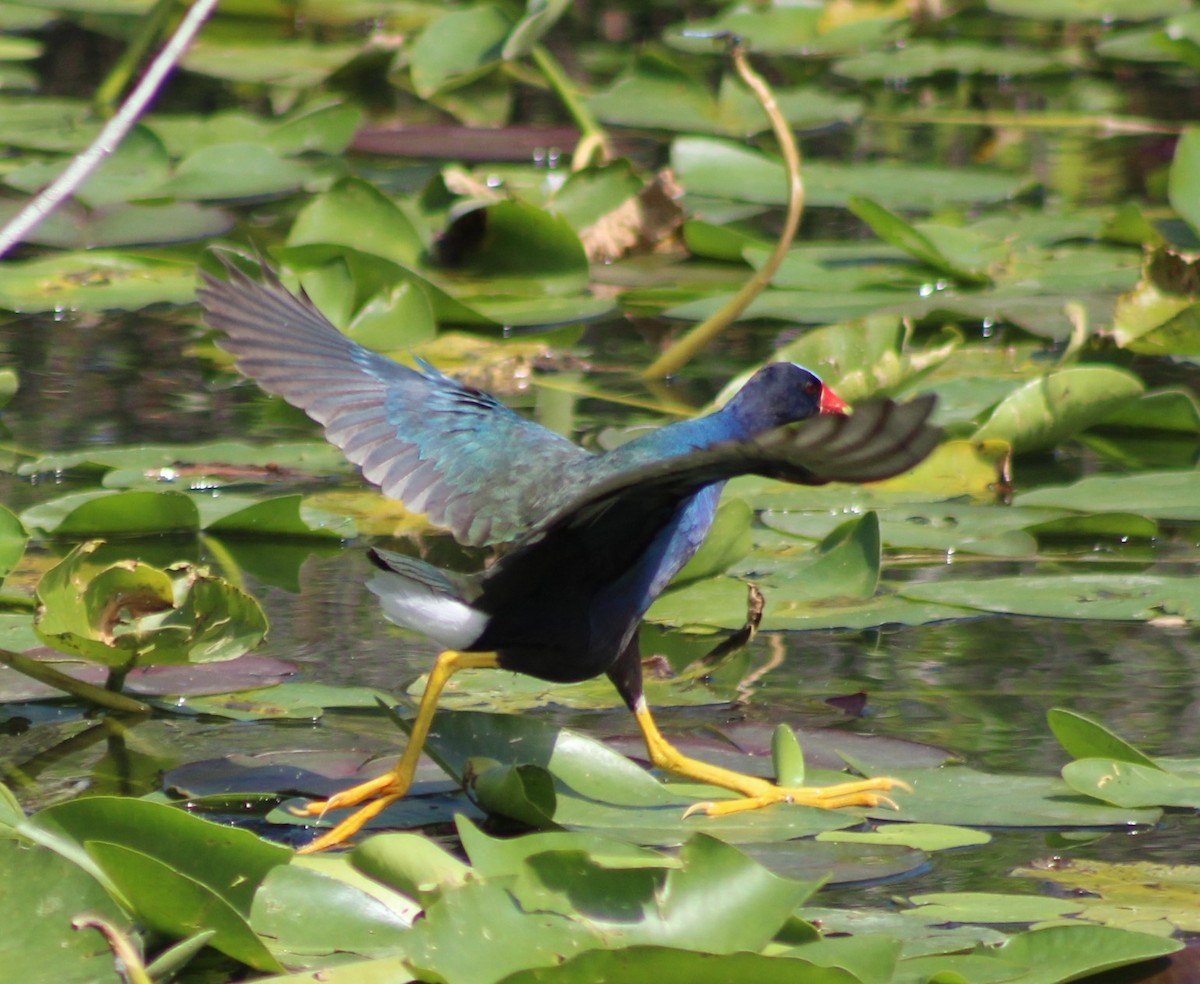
[863, 792]
[378, 794]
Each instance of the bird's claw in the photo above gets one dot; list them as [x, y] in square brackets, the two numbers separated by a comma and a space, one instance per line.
[866, 793]
[377, 794]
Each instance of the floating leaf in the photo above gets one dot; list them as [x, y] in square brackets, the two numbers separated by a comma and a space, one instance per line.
[989, 907]
[13, 538]
[1133, 895]
[128, 613]
[1169, 495]
[540, 16]
[1113, 597]
[458, 47]
[83, 514]
[924, 836]
[135, 169]
[891, 228]
[1046, 411]
[1131, 784]
[43, 893]
[94, 281]
[723, 169]
[962, 796]
[304, 912]
[1082, 737]
[174, 904]
[225, 172]
[1087, 10]
[1160, 315]
[919, 59]
[356, 214]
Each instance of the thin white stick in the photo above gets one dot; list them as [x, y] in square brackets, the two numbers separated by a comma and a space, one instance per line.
[114, 130]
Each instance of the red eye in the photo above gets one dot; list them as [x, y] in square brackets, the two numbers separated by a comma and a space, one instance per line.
[812, 388]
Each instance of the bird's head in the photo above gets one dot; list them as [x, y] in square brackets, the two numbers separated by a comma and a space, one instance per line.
[782, 393]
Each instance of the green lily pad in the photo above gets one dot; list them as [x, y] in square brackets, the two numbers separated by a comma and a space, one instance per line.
[1143, 895]
[73, 227]
[171, 903]
[1111, 597]
[282, 516]
[1167, 495]
[134, 170]
[961, 796]
[649, 964]
[304, 913]
[1131, 784]
[1044, 412]
[291, 63]
[43, 893]
[51, 125]
[891, 228]
[354, 213]
[1086, 10]
[919, 59]
[227, 172]
[564, 777]
[13, 538]
[1083, 737]
[458, 47]
[723, 169]
[128, 613]
[205, 464]
[83, 514]
[94, 281]
[989, 907]
[924, 836]
[1171, 410]
[540, 16]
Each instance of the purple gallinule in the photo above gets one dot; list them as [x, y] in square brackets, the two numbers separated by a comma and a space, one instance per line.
[595, 538]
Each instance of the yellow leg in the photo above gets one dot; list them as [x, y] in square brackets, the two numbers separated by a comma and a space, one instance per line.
[381, 792]
[757, 792]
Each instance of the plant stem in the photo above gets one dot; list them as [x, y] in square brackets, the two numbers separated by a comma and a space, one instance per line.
[109, 138]
[47, 674]
[593, 139]
[151, 27]
[680, 353]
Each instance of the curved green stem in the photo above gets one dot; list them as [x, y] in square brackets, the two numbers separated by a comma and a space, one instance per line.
[47, 674]
[680, 353]
[148, 33]
[593, 138]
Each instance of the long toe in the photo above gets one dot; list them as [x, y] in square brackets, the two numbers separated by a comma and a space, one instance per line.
[339, 835]
[387, 784]
[866, 792]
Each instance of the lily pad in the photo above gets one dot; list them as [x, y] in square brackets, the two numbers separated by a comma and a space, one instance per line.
[44, 892]
[1046, 411]
[94, 281]
[723, 169]
[1111, 597]
[955, 794]
[1167, 495]
[1142, 895]
[128, 613]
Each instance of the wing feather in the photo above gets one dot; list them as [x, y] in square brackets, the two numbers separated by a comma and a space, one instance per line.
[436, 445]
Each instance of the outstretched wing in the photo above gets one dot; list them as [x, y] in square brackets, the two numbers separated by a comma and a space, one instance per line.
[450, 451]
[605, 529]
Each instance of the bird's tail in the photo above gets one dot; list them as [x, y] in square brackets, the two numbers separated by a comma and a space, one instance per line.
[427, 599]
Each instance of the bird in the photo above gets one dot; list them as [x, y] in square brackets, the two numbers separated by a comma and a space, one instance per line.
[592, 538]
